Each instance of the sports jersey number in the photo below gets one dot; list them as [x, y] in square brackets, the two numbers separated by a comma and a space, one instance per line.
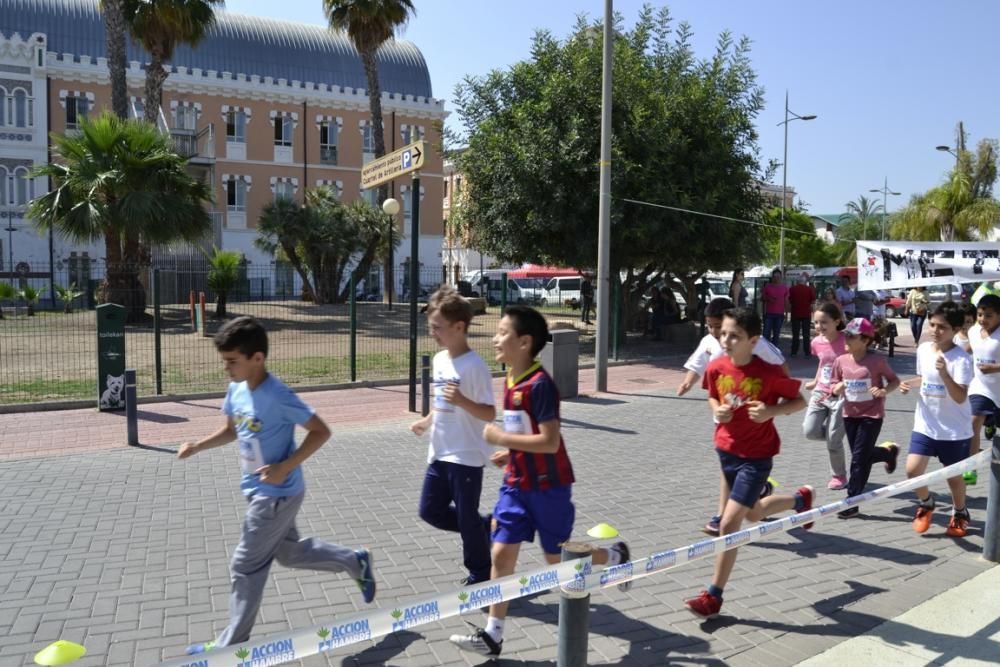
[826, 374]
[858, 391]
[935, 390]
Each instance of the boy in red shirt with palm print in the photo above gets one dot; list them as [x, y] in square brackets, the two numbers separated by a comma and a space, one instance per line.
[745, 395]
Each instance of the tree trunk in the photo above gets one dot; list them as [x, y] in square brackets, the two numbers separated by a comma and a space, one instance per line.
[378, 134]
[300, 268]
[220, 305]
[155, 76]
[114, 28]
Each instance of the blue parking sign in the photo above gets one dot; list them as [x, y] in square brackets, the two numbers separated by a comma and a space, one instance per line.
[407, 159]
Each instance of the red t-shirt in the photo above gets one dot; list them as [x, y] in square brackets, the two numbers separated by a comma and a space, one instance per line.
[802, 297]
[736, 385]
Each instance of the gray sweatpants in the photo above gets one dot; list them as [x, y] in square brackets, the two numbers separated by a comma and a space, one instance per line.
[269, 534]
[825, 421]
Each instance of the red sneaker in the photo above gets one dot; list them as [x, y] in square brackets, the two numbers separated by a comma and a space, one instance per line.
[807, 503]
[958, 526]
[704, 606]
[922, 521]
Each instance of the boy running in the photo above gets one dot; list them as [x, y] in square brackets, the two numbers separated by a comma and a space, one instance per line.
[261, 414]
[536, 495]
[864, 380]
[708, 350]
[745, 394]
[463, 404]
[984, 390]
[942, 426]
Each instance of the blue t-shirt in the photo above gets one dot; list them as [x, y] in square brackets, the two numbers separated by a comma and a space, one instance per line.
[265, 420]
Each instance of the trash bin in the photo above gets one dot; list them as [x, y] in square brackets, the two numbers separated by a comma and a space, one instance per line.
[561, 358]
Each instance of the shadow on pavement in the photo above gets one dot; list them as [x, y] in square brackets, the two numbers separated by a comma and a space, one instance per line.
[388, 647]
[596, 427]
[813, 545]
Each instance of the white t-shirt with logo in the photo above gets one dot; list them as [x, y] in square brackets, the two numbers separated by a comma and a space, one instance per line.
[457, 436]
[938, 416]
[709, 349]
[985, 351]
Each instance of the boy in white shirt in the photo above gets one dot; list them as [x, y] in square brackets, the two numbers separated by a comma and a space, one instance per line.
[942, 426]
[984, 391]
[709, 349]
[457, 454]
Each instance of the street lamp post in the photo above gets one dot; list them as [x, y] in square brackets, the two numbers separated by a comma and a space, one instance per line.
[885, 200]
[789, 117]
[10, 229]
[390, 207]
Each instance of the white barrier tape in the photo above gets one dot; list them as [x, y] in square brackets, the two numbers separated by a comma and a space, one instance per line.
[575, 578]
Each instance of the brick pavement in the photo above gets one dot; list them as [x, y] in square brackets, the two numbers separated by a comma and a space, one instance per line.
[126, 550]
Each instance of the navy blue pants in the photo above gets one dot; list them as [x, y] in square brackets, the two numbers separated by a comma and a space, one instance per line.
[450, 501]
[862, 434]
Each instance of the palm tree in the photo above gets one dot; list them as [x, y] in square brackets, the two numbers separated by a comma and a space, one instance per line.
[949, 212]
[280, 226]
[114, 30]
[31, 295]
[67, 295]
[119, 181]
[369, 24]
[861, 216]
[160, 25]
[223, 275]
[7, 292]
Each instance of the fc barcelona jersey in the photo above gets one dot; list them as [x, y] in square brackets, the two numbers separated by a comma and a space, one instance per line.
[530, 400]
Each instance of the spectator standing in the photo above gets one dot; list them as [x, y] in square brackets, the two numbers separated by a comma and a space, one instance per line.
[845, 298]
[737, 292]
[586, 297]
[775, 297]
[801, 298]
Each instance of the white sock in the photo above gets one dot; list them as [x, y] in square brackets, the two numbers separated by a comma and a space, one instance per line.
[614, 556]
[494, 628]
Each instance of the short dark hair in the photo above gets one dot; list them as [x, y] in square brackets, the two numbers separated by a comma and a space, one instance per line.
[243, 334]
[989, 302]
[970, 310]
[453, 306]
[718, 307]
[834, 312]
[745, 319]
[529, 322]
[952, 314]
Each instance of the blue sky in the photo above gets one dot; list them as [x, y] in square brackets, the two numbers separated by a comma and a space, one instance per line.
[889, 80]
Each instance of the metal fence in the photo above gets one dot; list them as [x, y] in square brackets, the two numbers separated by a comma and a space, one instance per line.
[51, 355]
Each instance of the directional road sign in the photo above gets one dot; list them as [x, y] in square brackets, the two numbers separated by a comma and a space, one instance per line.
[406, 159]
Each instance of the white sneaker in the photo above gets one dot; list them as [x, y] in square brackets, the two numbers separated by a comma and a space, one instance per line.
[479, 642]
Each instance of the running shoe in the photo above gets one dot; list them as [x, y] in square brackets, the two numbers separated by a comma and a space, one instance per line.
[970, 477]
[478, 642]
[890, 465]
[806, 492]
[626, 556]
[704, 606]
[922, 520]
[836, 483]
[366, 582]
[712, 527]
[958, 525]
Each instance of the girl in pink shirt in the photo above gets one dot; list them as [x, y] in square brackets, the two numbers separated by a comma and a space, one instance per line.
[824, 418]
[864, 380]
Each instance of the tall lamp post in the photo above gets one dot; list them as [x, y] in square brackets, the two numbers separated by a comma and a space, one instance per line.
[789, 117]
[604, 215]
[390, 207]
[10, 229]
[951, 228]
[885, 200]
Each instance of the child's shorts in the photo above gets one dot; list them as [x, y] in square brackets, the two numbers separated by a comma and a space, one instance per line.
[982, 405]
[946, 451]
[518, 514]
[745, 477]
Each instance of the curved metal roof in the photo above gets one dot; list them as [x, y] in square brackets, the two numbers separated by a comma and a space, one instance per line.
[237, 44]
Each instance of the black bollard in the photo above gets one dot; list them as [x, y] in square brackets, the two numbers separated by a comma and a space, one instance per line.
[425, 385]
[131, 408]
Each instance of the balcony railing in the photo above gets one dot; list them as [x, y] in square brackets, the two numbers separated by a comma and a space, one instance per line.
[192, 144]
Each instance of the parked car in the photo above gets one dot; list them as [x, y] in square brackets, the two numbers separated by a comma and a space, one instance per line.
[894, 306]
[562, 290]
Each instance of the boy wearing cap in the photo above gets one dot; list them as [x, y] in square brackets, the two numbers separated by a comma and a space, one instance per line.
[864, 380]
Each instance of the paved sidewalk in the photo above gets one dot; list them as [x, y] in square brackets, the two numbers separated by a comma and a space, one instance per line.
[126, 550]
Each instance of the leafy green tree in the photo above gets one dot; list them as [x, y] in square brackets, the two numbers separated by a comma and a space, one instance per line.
[7, 292]
[683, 137]
[160, 25]
[802, 245]
[962, 208]
[369, 24]
[223, 276]
[67, 295]
[120, 181]
[323, 238]
[115, 27]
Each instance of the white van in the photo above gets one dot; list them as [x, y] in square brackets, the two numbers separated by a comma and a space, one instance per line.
[519, 290]
[562, 290]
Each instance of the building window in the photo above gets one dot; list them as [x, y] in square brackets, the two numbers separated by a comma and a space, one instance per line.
[371, 196]
[446, 188]
[328, 142]
[186, 117]
[367, 143]
[22, 187]
[458, 185]
[284, 189]
[236, 194]
[3, 107]
[236, 126]
[76, 110]
[23, 110]
[138, 108]
[283, 129]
